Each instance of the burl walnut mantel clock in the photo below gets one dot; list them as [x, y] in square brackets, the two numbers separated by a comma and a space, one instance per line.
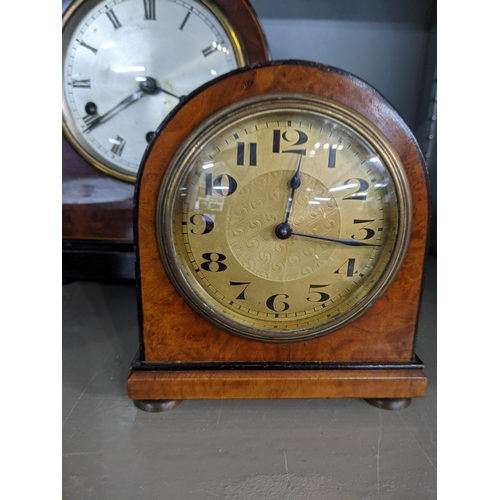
[126, 64]
[281, 230]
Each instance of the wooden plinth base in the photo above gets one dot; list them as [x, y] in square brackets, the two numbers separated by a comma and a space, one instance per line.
[276, 384]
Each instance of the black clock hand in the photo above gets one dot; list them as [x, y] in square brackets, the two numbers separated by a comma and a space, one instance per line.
[294, 184]
[150, 86]
[352, 243]
[285, 230]
[113, 111]
[146, 86]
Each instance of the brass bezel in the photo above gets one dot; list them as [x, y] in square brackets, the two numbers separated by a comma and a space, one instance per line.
[80, 8]
[222, 119]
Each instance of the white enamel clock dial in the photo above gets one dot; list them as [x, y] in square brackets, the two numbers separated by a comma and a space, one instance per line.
[127, 63]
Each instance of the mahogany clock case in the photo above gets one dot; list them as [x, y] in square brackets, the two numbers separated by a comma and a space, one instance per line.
[97, 209]
[183, 356]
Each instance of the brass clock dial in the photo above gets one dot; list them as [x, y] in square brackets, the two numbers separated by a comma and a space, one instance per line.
[283, 217]
[127, 63]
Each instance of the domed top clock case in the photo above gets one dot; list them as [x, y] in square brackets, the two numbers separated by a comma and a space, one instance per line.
[282, 219]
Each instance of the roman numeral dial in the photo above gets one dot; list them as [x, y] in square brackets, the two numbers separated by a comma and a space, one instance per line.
[135, 60]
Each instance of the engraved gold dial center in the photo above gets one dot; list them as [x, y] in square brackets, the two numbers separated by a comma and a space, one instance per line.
[258, 208]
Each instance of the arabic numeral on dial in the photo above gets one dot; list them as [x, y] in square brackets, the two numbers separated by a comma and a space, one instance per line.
[203, 222]
[368, 232]
[252, 154]
[361, 189]
[244, 284]
[347, 268]
[275, 302]
[316, 296]
[293, 137]
[213, 262]
[223, 184]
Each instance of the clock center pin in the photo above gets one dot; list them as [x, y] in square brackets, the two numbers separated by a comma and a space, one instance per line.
[283, 231]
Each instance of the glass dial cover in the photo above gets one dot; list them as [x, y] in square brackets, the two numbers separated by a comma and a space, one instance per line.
[283, 217]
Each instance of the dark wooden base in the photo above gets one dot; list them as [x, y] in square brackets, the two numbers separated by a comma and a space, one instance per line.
[371, 384]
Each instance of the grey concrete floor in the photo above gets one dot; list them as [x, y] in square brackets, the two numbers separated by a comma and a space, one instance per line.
[221, 450]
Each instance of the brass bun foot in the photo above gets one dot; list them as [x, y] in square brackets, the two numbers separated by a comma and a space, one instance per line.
[390, 403]
[157, 405]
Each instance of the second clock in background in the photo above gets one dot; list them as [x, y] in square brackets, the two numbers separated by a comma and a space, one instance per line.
[128, 63]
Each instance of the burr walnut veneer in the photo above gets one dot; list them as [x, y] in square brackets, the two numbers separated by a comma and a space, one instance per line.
[184, 356]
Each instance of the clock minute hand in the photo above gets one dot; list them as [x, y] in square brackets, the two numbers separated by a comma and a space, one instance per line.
[352, 243]
[113, 111]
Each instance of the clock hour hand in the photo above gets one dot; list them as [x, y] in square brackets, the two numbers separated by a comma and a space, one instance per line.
[113, 111]
[294, 184]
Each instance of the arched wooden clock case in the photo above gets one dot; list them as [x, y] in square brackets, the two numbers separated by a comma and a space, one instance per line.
[184, 356]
